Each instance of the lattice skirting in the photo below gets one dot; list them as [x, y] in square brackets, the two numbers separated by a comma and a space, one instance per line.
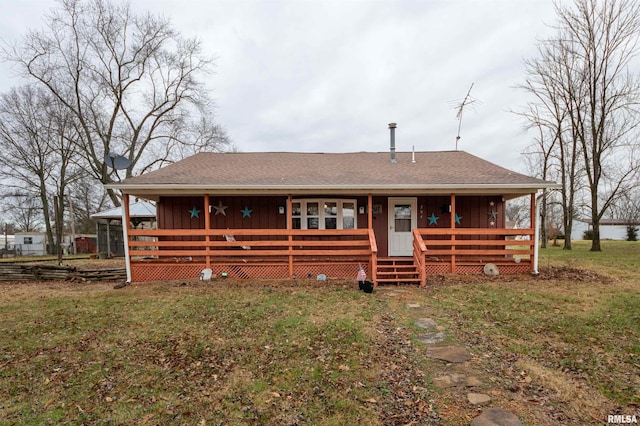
[141, 272]
[445, 268]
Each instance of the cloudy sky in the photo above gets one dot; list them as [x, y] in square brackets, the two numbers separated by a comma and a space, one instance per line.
[328, 76]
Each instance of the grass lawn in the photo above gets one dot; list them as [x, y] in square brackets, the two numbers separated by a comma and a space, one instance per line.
[563, 347]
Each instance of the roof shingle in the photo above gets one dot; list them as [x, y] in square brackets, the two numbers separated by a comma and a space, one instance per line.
[327, 170]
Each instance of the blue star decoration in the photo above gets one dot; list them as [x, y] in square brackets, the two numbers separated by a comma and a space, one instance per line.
[457, 219]
[433, 219]
[246, 212]
[194, 212]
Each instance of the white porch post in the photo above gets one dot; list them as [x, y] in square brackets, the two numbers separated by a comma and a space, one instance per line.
[535, 212]
[125, 231]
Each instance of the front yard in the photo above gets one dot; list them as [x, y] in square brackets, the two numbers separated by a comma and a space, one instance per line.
[563, 347]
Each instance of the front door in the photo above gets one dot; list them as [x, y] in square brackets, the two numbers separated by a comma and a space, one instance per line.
[402, 222]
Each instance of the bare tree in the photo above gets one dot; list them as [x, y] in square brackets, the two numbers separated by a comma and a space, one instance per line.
[582, 80]
[87, 198]
[603, 37]
[132, 83]
[23, 211]
[37, 150]
[549, 80]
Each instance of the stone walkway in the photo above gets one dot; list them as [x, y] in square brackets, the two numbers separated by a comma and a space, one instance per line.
[457, 355]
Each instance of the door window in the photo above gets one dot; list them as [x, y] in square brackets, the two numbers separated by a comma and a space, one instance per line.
[402, 215]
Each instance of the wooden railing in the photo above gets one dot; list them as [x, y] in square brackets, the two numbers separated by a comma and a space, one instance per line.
[274, 245]
[458, 245]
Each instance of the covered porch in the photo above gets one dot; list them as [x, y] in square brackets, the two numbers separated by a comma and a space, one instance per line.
[337, 253]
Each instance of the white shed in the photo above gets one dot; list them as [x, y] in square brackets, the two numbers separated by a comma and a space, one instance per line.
[31, 243]
[610, 229]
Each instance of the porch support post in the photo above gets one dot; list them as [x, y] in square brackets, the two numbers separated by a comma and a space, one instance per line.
[536, 233]
[453, 236]
[207, 227]
[370, 211]
[126, 223]
[373, 266]
[290, 236]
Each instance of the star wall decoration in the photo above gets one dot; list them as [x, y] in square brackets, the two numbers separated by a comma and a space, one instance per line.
[433, 219]
[246, 212]
[194, 212]
[457, 219]
[493, 215]
[220, 209]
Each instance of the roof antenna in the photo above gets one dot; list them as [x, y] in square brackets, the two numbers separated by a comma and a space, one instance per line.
[468, 100]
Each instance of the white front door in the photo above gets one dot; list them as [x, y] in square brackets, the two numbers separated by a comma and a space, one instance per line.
[402, 221]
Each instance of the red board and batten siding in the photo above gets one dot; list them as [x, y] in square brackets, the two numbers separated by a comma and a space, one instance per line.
[173, 213]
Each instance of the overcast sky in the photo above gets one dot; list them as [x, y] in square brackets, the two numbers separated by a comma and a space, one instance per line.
[328, 76]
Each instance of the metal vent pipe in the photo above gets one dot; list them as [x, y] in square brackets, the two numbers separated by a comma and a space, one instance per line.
[392, 129]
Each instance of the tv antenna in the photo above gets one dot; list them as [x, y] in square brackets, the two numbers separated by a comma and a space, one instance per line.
[468, 100]
[116, 162]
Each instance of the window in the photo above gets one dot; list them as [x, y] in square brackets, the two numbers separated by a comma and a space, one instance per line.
[402, 216]
[28, 240]
[324, 214]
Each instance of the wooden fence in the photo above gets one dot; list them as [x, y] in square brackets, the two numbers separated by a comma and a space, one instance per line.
[22, 272]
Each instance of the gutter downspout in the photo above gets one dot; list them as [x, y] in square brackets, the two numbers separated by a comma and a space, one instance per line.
[125, 234]
[536, 235]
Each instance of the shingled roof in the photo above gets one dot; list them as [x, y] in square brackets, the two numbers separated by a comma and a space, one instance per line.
[373, 172]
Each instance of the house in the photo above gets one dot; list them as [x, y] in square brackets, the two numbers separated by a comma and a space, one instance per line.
[109, 230]
[35, 243]
[610, 229]
[401, 216]
[30, 243]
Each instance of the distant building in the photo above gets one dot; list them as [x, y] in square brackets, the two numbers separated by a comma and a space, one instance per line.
[610, 229]
[109, 226]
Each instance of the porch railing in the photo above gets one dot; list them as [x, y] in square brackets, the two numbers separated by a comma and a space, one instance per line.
[275, 246]
[450, 250]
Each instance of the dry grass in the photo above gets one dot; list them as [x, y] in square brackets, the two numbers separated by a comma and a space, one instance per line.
[560, 348]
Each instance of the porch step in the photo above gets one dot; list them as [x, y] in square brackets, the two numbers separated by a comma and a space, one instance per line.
[396, 270]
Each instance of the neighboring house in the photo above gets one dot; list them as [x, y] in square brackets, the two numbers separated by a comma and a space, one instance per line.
[30, 243]
[35, 243]
[610, 229]
[298, 215]
[142, 214]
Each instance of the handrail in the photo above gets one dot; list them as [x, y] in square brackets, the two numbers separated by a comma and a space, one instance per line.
[276, 244]
[488, 243]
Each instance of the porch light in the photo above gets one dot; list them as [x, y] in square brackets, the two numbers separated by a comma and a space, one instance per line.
[361, 209]
[281, 209]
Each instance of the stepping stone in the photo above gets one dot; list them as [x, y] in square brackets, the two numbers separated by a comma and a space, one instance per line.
[413, 305]
[426, 323]
[496, 417]
[449, 380]
[449, 353]
[431, 338]
[478, 398]
[473, 382]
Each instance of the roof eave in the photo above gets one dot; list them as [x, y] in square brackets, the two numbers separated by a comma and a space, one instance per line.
[191, 189]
